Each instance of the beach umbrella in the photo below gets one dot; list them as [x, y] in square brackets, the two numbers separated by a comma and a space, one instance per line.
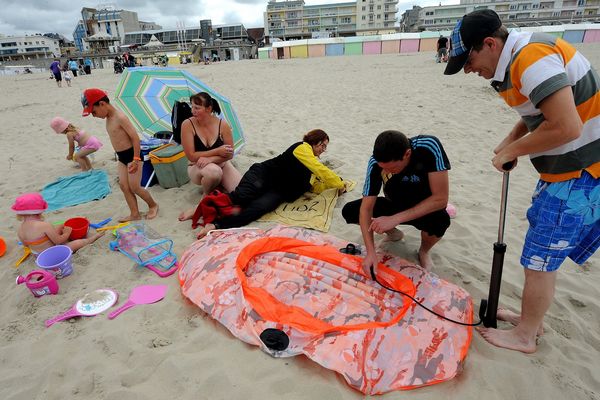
[147, 95]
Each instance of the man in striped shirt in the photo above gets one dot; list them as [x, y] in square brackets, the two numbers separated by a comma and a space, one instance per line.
[557, 95]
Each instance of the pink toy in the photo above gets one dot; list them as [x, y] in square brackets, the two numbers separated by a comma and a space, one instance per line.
[145, 294]
[89, 305]
[39, 282]
[451, 210]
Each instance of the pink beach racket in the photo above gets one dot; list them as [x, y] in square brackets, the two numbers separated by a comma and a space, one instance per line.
[89, 305]
[145, 294]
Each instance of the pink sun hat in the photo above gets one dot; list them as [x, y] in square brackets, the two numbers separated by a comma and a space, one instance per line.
[29, 204]
[59, 124]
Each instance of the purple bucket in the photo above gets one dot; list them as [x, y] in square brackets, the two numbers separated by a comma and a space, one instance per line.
[56, 259]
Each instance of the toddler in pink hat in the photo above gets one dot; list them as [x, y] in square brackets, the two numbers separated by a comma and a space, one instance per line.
[87, 144]
[38, 234]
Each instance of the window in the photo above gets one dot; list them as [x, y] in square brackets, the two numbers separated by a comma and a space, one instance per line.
[429, 13]
[370, 8]
[379, 6]
[364, 8]
[581, 3]
[364, 17]
[378, 16]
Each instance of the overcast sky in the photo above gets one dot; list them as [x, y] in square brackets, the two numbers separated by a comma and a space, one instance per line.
[20, 17]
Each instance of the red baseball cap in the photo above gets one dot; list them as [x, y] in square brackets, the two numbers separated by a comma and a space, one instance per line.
[89, 98]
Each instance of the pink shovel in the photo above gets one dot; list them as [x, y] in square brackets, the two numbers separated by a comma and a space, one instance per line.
[145, 294]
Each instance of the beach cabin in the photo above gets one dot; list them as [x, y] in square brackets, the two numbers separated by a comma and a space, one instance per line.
[390, 43]
[316, 47]
[409, 42]
[264, 53]
[372, 44]
[334, 47]
[428, 41]
[353, 46]
[298, 48]
[591, 36]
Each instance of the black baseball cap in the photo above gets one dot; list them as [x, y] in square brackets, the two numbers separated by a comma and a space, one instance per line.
[470, 30]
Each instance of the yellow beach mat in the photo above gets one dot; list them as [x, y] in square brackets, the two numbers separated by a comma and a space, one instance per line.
[311, 210]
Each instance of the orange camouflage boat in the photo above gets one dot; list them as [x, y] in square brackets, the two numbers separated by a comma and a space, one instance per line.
[291, 291]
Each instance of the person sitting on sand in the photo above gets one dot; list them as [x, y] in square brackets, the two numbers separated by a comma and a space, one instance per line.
[38, 234]
[284, 178]
[126, 143]
[88, 144]
[208, 145]
[414, 176]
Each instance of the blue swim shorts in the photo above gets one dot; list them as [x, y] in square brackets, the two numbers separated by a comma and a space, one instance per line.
[564, 221]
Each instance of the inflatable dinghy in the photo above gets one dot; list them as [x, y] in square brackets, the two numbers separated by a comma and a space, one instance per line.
[292, 291]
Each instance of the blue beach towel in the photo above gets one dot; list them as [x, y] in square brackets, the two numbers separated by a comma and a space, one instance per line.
[76, 189]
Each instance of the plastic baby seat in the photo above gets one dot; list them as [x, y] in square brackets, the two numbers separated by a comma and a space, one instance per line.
[147, 248]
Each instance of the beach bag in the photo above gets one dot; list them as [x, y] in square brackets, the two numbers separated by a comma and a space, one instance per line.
[181, 111]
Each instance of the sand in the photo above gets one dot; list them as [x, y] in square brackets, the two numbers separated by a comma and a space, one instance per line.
[170, 349]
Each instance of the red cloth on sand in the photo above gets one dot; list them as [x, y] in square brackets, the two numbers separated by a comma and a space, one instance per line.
[213, 206]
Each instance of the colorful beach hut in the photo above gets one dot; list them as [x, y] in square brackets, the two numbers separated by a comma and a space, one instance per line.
[298, 48]
[574, 36]
[264, 53]
[316, 47]
[334, 47]
[371, 44]
[409, 42]
[390, 43]
[353, 46]
[591, 36]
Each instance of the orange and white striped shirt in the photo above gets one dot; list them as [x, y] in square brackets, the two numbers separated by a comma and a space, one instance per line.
[533, 66]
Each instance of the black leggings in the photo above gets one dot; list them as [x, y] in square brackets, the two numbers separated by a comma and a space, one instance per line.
[434, 224]
[255, 195]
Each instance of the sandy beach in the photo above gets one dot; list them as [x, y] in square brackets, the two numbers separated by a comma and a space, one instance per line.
[171, 350]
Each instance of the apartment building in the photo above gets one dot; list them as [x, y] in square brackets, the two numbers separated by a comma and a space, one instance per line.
[292, 19]
[102, 30]
[514, 13]
[28, 47]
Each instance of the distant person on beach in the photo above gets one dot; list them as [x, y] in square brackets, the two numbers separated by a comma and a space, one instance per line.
[413, 173]
[73, 67]
[38, 234]
[555, 90]
[442, 49]
[283, 178]
[126, 143]
[55, 68]
[68, 77]
[87, 143]
[208, 144]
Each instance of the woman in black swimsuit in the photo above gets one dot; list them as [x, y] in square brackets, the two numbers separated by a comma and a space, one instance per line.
[208, 145]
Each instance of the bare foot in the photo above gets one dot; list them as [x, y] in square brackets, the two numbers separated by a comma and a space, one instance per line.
[393, 235]
[187, 214]
[204, 231]
[152, 212]
[509, 316]
[130, 218]
[425, 260]
[508, 339]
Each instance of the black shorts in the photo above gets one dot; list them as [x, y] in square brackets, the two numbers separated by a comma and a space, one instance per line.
[125, 156]
[434, 224]
[58, 77]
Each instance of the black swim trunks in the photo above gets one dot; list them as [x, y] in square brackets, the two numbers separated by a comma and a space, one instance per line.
[58, 77]
[125, 156]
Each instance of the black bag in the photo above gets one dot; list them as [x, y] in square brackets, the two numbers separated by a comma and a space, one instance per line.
[181, 112]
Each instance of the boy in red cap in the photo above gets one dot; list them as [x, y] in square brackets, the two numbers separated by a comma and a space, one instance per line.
[126, 143]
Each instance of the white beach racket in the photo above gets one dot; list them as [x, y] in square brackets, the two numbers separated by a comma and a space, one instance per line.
[89, 305]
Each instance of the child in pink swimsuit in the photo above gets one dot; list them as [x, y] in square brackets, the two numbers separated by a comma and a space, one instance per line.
[88, 144]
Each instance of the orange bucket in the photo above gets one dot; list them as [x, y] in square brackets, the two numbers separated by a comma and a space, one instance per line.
[79, 226]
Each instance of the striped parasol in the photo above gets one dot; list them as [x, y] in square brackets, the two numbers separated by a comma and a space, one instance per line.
[147, 95]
